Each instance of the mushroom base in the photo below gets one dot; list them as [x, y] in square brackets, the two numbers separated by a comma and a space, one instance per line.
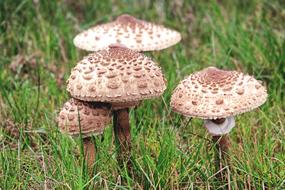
[89, 151]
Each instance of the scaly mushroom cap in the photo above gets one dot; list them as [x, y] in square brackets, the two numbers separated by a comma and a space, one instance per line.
[93, 118]
[133, 33]
[213, 93]
[116, 74]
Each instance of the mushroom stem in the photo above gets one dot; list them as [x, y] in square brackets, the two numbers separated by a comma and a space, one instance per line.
[222, 144]
[222, 140]
[89, 151]
[122, 133]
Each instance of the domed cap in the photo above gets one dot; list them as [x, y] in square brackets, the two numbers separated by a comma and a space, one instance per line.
[116, 74]
[133, 33]
[93, 118]
[213, 93]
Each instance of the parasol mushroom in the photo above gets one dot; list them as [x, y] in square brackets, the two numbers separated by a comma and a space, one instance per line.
[127, 30]
[216, 96]
[88, 119]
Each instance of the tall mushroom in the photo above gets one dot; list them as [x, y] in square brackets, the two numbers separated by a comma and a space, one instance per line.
[216, 96]
[127, 30]
[88, 119]
[118, 76]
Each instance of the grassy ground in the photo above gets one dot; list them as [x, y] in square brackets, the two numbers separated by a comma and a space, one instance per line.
[36, 55]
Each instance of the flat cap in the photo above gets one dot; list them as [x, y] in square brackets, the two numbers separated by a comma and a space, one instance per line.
[133, 33]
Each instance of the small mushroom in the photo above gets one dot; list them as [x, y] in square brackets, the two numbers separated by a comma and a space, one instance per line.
[128, 78]
[88, 119]
[134, 33]
[216, 96]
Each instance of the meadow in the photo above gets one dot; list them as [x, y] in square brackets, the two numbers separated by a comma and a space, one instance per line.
[169, 151]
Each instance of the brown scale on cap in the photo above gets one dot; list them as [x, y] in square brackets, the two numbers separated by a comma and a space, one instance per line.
[133, 33]
[128, 76]
[213, 93]
[93, 117]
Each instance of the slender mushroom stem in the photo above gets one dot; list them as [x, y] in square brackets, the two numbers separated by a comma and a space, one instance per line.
[222, 143]
[89, 151]
[122, 134]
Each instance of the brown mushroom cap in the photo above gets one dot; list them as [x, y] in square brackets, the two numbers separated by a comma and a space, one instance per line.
[133, 33]
[94, 118]
[213, 93]
[115, 75]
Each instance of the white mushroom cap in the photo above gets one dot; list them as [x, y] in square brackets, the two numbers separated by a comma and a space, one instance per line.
[134, 33]
[93, 118]
[116, 75]
[213, 93]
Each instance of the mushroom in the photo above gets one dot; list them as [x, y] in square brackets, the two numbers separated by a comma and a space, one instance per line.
[83, 118]
[117, 76]
[216, 96]
[134, 33]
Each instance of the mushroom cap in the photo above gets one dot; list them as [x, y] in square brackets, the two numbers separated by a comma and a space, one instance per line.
[93, 118]
[116, 75]
[134, 33]
[213, 93]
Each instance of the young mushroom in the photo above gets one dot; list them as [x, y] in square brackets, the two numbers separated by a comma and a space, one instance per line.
[217, 96]
[117, 76]
[133, 33]
[88, 119]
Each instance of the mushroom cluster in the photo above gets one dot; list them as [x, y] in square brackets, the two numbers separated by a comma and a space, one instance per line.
[120, 77]
[116, 77]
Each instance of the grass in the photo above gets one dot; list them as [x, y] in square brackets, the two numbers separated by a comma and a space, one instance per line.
[37, 55]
